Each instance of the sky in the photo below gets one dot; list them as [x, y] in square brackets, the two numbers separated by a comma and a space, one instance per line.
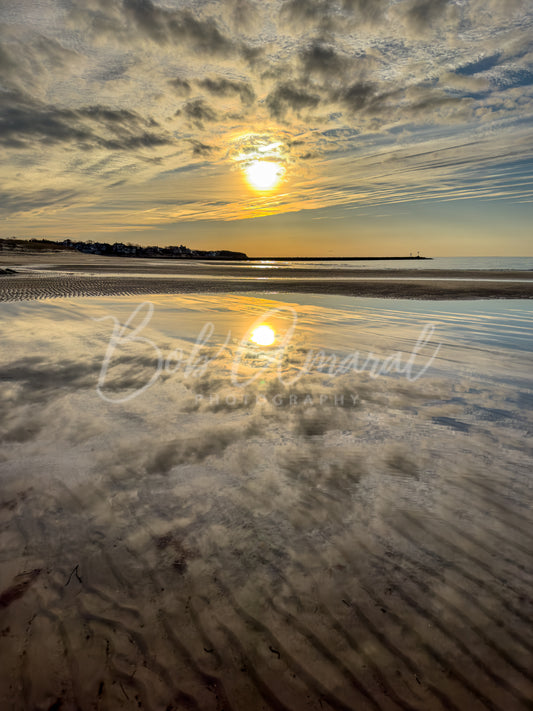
[342, 128]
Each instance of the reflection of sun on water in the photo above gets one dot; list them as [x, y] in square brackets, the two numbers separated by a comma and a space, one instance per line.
[263, 174]
[263, 335]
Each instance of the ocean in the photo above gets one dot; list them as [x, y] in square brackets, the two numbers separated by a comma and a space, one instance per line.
[462, 263]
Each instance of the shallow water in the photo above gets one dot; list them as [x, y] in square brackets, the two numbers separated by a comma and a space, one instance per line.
[340, 521]
[462, 263]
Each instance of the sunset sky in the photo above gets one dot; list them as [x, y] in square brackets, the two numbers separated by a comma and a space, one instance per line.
[283, 128]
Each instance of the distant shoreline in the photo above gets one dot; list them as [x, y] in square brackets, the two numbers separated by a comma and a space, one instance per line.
[118, 249]
[334, 259]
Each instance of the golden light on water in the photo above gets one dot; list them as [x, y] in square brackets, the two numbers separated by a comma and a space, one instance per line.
[263, 174]
[263, 335]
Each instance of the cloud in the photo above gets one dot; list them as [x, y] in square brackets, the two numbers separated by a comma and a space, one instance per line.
[52, 53]
[201, 149]
[243, 13]
[298, 11]
[12, 202]
[332, 16]
[193, 448]
[132, 87]
[287, 97]
[424, 15]
[166, 26]
[366, 8]
[31, 64]
[225, 87]
[466, 83]
[182, 86]
[198, 111]
[25, 120]
[356, 96]
[321, 59]
[7, 63]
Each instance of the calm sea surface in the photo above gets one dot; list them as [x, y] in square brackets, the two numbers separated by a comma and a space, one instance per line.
[466, 263]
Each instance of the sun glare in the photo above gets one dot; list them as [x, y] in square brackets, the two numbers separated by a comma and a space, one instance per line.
[263, 174]
[263, 335]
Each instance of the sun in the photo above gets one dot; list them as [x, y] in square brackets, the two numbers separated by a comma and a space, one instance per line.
[263, 174]
[263, 335]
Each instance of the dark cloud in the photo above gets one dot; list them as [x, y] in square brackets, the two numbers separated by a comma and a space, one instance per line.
[290, 97]
[371, 98]
[113, 72]
[38, 381]
[132, 143]
[7, 63]
[44, 54]
[25, 120]
[479, 65]
[182, 86]
[251, 54]
[244, 14]
[201, 149]
[368, 10]
[193, 448]
[30, 64]
[357, 96]
[313, 421]
[401, 463]
[434, 100]
[305, 11]
[316, 481]
[170, 26]
[52, 53]
[227, 87]
[129, 20]
[198, 111]
[426, 14]
[14, 202]
[323, 60]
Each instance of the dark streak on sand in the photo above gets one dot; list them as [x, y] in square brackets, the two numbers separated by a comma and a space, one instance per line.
[19, 588]
[74, 571]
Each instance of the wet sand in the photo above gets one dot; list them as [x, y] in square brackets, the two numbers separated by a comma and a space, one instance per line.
[44, 276]
[190, 550]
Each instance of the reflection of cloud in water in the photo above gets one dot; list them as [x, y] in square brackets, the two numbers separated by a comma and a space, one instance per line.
[381, 545]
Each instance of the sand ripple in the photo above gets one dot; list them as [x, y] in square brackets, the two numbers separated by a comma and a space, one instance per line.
[48, 286]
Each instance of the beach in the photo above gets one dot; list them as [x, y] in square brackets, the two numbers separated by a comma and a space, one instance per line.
[192, 521]
[266, 336]
[69, 275]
